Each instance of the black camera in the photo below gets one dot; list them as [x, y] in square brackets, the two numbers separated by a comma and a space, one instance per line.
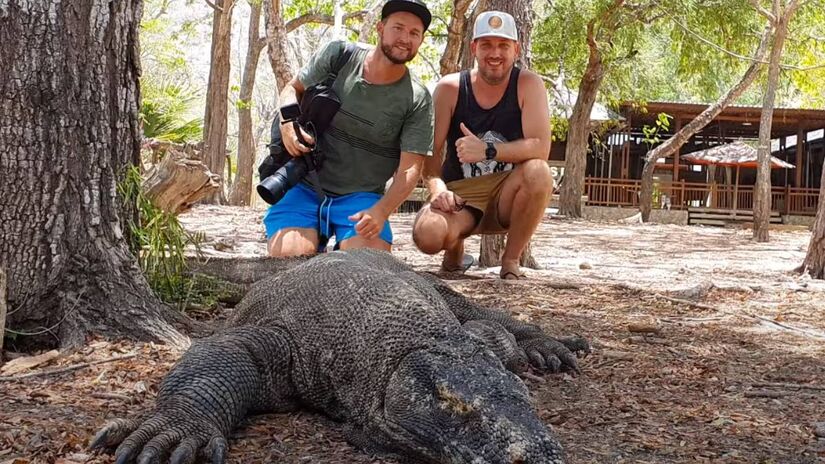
[274, 186]
[280, 171]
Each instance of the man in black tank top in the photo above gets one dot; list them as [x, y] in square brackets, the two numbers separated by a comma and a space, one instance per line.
[494, 123]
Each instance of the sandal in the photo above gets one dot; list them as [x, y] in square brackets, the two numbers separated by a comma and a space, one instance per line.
[466, 263]
[510, 275]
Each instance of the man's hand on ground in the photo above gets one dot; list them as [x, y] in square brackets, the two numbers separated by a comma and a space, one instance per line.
[447, 202]
[292, 143]
[470, 149]
[369, 223]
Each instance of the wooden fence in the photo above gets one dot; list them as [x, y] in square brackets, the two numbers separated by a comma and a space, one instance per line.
[682, 195]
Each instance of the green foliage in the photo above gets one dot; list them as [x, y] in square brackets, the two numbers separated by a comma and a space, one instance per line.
[168, 96]
[651, 133]
[689, 53]
[560, 126]
[162, 113]
[158, 240]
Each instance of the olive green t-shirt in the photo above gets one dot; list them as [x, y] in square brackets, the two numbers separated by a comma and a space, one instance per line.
[363, 144]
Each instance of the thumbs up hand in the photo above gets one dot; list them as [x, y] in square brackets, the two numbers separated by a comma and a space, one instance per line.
[470, 149]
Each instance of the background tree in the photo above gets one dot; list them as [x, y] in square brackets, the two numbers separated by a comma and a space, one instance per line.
[780, 16]
[814, 263]
[241, 192]
[457, 30]
[608, 18]
[217, 92]
[67, 65]
[671, 145]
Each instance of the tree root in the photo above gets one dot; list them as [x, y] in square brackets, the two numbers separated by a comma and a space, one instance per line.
[66, 369]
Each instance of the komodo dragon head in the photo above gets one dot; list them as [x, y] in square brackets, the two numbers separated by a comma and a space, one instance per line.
[449, 405]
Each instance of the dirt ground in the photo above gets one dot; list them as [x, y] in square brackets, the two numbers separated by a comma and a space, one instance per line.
[734, 374]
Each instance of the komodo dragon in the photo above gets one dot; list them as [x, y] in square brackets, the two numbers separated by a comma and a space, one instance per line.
[364, 339]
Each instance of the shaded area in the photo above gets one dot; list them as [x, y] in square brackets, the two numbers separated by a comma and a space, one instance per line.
[690, 393]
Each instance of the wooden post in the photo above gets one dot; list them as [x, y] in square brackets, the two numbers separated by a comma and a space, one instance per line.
[736, 192]
[3, 309]
[800, 142]
[676, 154]
[787, 206]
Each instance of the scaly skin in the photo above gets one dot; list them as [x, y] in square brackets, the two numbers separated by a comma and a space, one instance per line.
[361, 337]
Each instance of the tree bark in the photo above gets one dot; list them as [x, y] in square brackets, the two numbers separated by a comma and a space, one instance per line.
[178, 182]
[3, 310]
[277, 43]
[370, 19]
[703, 119]
[241, 192]
[762, 189]
[466, 59]
[492, 246]
[814, 263]
[69, 102]
[456, 31]
[578, 134]
[217, 93]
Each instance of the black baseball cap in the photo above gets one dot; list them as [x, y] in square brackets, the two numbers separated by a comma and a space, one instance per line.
[416, 7]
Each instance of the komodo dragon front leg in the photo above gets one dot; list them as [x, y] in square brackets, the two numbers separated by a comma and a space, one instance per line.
[215, 384]
[544, 352]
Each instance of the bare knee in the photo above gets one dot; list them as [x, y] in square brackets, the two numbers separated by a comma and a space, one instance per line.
[430, 231]
[291, 242]
[536, 176]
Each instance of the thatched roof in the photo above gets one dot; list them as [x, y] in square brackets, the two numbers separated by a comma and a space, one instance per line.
[732, 154]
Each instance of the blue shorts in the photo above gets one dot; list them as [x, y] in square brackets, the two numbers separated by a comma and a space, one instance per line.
[301, 208]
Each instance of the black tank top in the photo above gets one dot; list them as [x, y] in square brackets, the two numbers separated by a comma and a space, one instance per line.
[501, 123]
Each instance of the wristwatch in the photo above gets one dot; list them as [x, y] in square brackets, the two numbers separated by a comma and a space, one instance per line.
[491, 152]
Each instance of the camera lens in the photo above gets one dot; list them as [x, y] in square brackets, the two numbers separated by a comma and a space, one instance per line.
[274, 187]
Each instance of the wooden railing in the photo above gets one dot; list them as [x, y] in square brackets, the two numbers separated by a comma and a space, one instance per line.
[681, 195]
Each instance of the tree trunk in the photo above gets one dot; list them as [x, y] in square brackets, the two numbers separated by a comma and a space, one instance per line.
[68, 102]
[466, 59]
[678, 139]
[456, 31]
[178, 182]
[578, 135]
[492, 246]
[3, 310]
[217, 93]
[241, 192]
[370, 19]
[599, 30]
[277, 45]
[762, 189]
[814, 263]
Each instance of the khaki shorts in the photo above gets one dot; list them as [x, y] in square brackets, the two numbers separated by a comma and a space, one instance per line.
[482, 194]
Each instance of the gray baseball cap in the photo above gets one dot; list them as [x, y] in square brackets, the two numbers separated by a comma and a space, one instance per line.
[495, 24]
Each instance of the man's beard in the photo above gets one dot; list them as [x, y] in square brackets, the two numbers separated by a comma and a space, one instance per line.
[387, 50]
[492, 78]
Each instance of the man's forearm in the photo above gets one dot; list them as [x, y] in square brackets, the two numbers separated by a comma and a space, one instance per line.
[432, 173]
[288, 95]
[522, 150]
[403, 183]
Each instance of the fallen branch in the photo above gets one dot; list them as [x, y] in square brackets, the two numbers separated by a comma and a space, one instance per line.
[643, 328]
[67, 368]
[788, 386]
[687, 302]
[765, 394]
[785, 326]
[113, 396]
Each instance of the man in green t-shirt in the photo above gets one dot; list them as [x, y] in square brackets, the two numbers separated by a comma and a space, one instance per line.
[383, 130]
